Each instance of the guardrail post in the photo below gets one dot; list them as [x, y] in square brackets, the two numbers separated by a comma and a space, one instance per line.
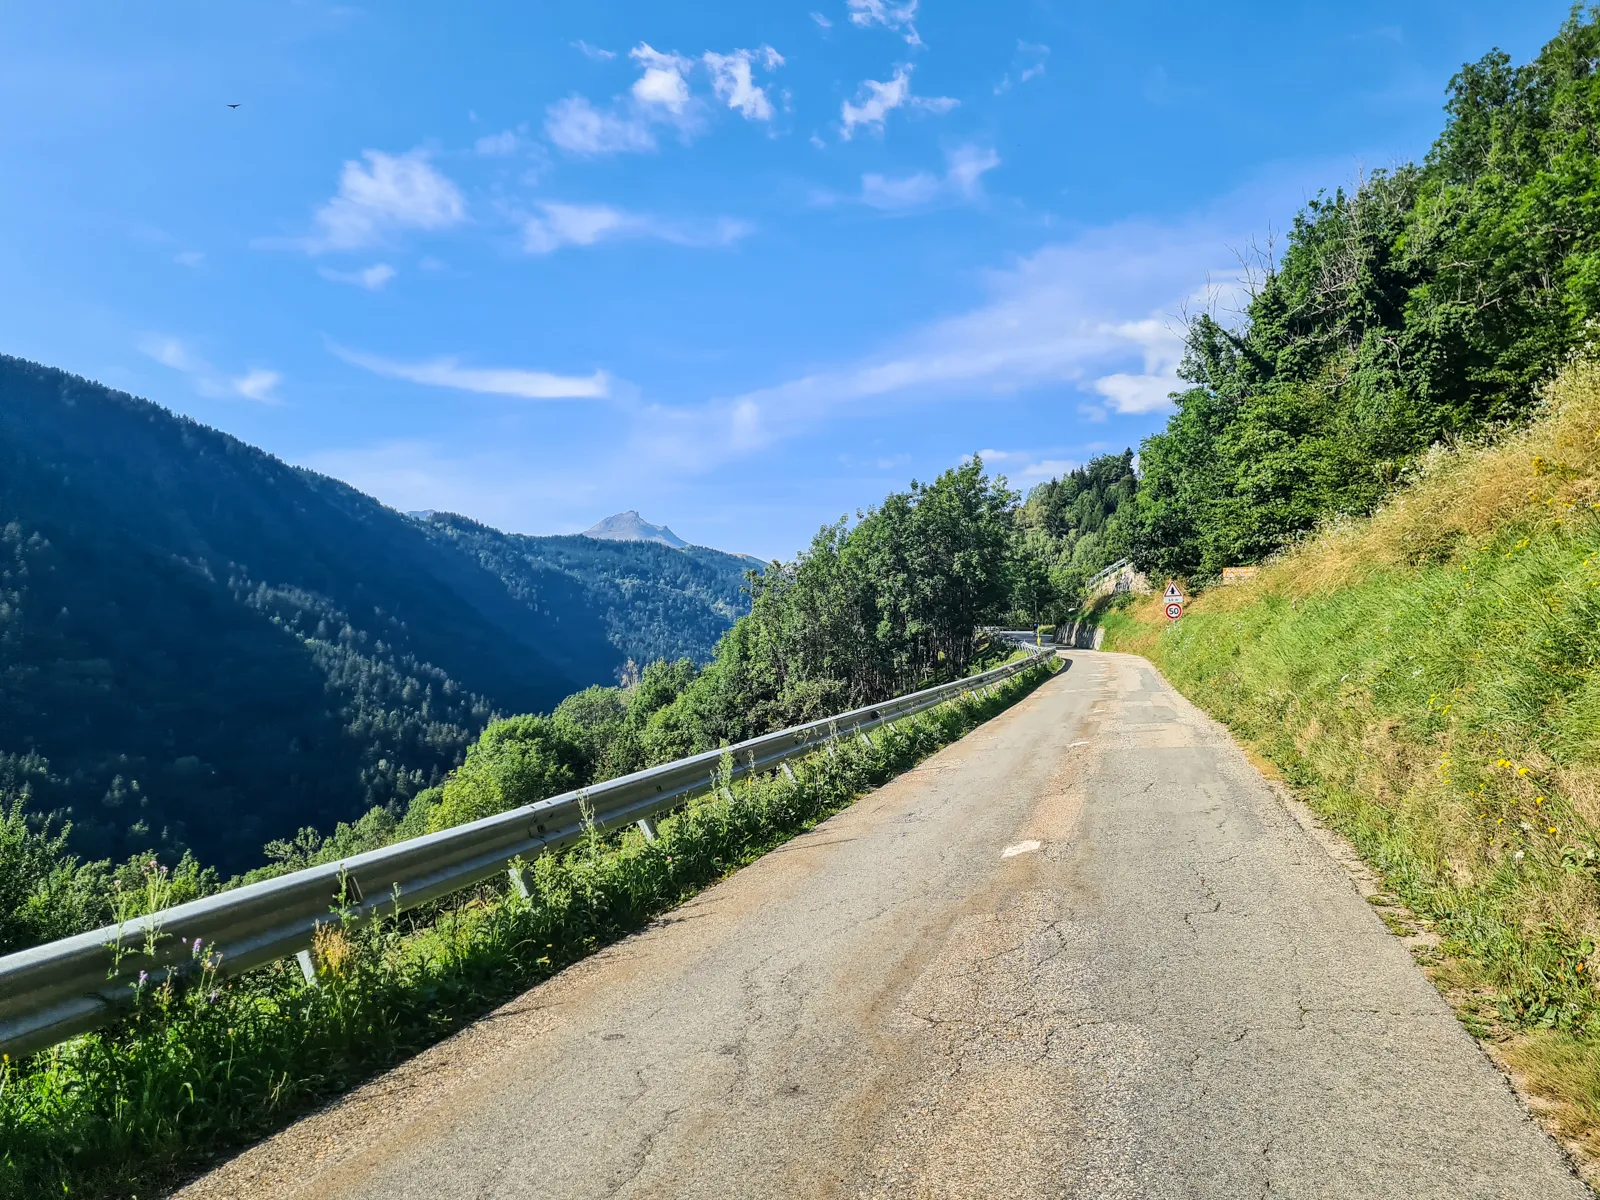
[648, 828]
[307, 967]
[788, 771]
[862, 734]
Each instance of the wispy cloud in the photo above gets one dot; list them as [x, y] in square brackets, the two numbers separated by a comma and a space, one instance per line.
[384, 192]
[900, 18]
[559, 225]
[257, 383]
[577, 127]
[1098, 316]
[876, 99]
[663, 97]
[1028, 64]
[822, 21]
[498, 145]
[962, 180]
[1028, 465]
[189, 258]
[373, 278]
[732, 82]
[594, 53]
[494, 381]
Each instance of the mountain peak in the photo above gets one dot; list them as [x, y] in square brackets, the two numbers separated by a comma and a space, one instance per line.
[631, 527]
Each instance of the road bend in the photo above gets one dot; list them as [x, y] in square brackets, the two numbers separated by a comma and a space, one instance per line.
[1084, 952]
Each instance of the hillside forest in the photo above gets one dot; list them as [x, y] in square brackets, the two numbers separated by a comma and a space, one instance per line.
[188, 627]
[203, 648]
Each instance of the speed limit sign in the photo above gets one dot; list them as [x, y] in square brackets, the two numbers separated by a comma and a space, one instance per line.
[1174, 599]
[1174, 610]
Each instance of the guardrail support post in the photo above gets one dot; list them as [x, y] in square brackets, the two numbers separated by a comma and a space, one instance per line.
[648, 828]
[307, 967]
[788, 771]
[863, 736]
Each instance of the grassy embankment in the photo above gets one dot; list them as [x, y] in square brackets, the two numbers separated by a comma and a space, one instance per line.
[1429, 680]
[198, 1072]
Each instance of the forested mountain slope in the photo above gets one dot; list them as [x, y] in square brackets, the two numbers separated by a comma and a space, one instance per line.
[651, 600]
[202, 646]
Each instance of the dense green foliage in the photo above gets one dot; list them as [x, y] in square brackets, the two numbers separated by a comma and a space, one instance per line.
[1067, 530]
[1429, 302]
[204, 1068]
[869, 611]
[201, 647]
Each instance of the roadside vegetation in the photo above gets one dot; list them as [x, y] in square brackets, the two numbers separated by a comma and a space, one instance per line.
[1428, 679]
[198, 1071]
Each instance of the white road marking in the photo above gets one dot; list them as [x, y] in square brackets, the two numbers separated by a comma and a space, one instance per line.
[1026, 847]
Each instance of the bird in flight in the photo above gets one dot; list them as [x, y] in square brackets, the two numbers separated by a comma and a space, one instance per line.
[233, 106]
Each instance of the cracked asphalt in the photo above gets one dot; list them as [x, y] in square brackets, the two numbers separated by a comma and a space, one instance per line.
[1085, 952]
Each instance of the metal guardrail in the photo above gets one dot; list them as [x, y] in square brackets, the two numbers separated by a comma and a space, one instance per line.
[51, 992]
[1104, 571]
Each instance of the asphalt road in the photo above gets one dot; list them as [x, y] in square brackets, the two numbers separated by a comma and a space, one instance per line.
[1084, 952]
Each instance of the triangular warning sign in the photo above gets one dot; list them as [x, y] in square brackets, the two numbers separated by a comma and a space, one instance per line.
[1172, 590]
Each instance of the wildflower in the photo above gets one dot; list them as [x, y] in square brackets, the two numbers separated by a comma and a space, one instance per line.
[1538, 799]
[1504, 762]
[143, 977]
[1522, 770]
[1552, 829]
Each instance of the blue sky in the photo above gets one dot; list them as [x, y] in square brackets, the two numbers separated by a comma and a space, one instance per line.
[744, 268]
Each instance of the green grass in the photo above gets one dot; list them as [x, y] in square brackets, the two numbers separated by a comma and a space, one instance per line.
[1444, 718]
[196, 1073]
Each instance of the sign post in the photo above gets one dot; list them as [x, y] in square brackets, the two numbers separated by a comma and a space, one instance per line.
[1173, 600]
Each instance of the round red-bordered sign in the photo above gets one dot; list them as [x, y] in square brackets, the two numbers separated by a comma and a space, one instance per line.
[1174, 610]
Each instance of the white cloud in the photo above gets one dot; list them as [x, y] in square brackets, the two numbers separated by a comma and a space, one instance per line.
[962, 180]
[662, 96]
[189, 258]
[388, 191]
[593, 52]
[561, 225]
[257, 383]
[1027, 464]
[967, 166]
[821, 20]
[663, 81]
[494, 381]
[1097, 316]
[909, 191]
[578, 127]
[497, 144]
[876, 99]
[732, 82]
[372, 278]
[898, 17]
[1029, 63]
